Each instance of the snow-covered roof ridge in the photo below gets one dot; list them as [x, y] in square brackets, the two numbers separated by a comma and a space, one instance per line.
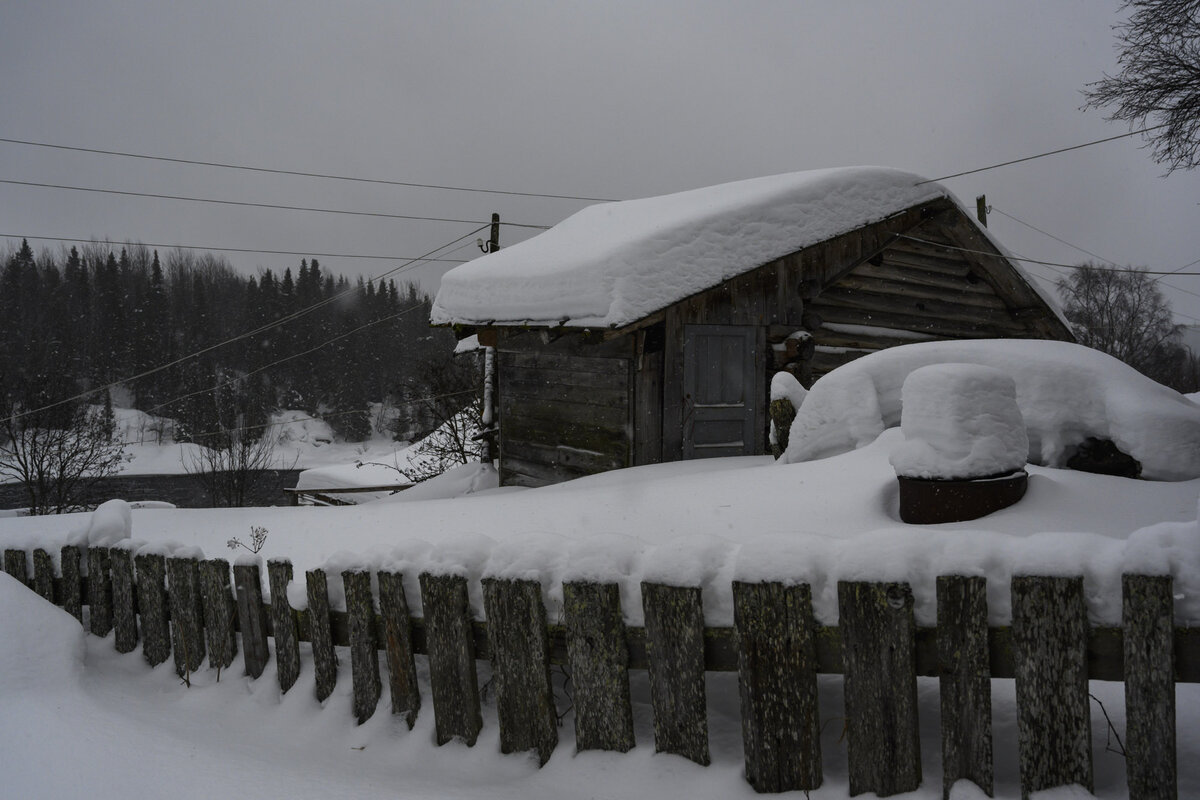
[612, 264]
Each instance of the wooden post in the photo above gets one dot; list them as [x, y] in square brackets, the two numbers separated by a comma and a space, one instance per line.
[247, 584]
[599, 659]
[451, 643]
[519, 646]
[321, 634]
[99, 584]
[981, 209]
[152, 607]
[14, 565]
[964, 679]
[283, 624]
[397, 640]
[219, 612]
[187, 621]
[43, 574]
[675, 651]
[777, 679]
[72, 583]
[124, 608]
[1148, 616]
[364, 656]
[1050, 634]
[879, 662]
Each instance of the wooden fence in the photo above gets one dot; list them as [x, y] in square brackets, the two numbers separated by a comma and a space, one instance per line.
[187, 608]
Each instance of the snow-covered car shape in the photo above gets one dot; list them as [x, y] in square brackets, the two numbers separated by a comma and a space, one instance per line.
[1068, 394]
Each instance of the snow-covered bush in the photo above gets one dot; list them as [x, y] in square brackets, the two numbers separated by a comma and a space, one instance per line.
[960, 421]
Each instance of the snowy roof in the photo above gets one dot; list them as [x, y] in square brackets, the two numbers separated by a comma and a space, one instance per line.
[614, 263]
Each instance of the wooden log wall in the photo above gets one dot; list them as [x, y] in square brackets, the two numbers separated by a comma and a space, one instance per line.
[775, 646]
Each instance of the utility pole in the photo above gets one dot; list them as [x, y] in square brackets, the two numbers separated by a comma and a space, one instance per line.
[981, 210]
[488, 417]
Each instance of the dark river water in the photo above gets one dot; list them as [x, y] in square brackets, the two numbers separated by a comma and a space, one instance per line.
[180, 490]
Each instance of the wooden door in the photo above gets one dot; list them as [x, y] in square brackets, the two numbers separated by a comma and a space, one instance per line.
[720, 407]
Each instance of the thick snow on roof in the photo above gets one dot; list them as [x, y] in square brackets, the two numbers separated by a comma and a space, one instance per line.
[614, 263]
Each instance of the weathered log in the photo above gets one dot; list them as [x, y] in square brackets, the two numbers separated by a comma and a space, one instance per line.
[320, 633]
[364, 656]
[1054, 732]
[14, 565]
[252, 617]
[283, 624]
[99, 581]
[72, 583]
[599, 661]
[43, 574]
[396, 634]
[450, 638]
[124, 608]
[1148, 615]
[879, 662]
[965, 681]
[675, 651]
[520, 653]
[777, 680]
[152, 607]
[219, 612]
[187, 620]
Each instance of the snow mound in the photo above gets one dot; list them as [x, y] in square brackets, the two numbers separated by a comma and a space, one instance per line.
[960, 421]
[41, 646]
[1066, 393]
[613, 263]
[110, 523]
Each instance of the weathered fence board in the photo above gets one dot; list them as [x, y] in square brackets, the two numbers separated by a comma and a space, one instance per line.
[364, 655]
[599, 663]
[675, 649]
[1148, 616]
[450, 638]
[187, 620]
[43, 574]
[252, 618]
[777, 681]
[965, 681]
[520, 653]
[1054, 732]
[220, 610]
[124, 608]
[152, 607]
[397, 641]
[99, 591]
[14, 565]
[283, 624]
[878, 653]
[320, 633]
[72, 582]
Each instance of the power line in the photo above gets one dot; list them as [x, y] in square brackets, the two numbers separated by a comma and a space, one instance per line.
[258, 205]
[1041, 155]
[1034, 260]
[305, 253]
[328, 176]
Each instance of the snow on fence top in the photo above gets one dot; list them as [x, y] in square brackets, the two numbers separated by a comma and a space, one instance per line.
[614, 263]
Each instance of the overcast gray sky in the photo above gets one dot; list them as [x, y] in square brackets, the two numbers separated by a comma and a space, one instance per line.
[605, 99]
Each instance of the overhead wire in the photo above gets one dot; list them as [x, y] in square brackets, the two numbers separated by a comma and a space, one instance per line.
[1032, 260]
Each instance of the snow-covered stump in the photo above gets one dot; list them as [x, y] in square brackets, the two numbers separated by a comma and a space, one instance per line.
[880, 678]
[450, 639]
[964, 681]
[252, 617]
[519, 647]
[1148, 617]
[124, 609]
[187, 615]
[99, 583]
[777, 678]
[14, 565]
[72, 583]
[398, 646]
[599, 659]
[284, 626]
[152, 607]
[220, 611]
[320, 633]
[1050, 638]
[364, 653]
[675, 652]
[43, 574]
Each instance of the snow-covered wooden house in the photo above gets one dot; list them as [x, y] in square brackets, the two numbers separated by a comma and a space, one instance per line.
[647, 330]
